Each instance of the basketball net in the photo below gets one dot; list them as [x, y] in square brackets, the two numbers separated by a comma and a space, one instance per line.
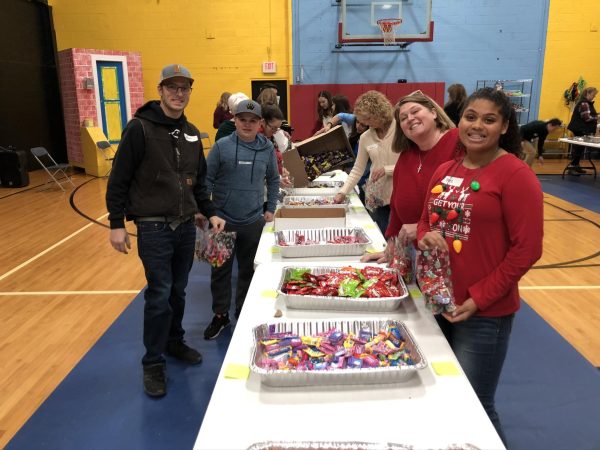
[388, 30]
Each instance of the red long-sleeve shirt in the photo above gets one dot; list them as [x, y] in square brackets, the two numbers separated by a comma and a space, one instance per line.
[410, 186]
[500, 226]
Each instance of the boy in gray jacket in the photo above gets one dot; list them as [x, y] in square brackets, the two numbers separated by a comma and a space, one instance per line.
[238, 166]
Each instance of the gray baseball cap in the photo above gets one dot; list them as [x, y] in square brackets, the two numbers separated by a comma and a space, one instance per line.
[248, 106]
[175, 70]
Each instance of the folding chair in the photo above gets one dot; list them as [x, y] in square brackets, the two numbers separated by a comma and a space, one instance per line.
[206, 149]
[106, 149]
[51, 166]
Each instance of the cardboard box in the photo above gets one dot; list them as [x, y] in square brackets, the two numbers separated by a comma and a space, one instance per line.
[332, 141]
[300, 218]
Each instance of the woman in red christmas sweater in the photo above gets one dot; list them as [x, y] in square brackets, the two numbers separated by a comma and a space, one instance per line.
[486, 210]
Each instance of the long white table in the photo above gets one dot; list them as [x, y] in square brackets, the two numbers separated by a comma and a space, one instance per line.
[589, 145]
[426, 411]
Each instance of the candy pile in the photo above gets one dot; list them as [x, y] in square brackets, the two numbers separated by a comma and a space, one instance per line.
[317, 164]
[325, 184]
[334, 350]
[300, 239]
[398, 257]
[214, 248]
[368, 282]
[311, 201]
[433, 274]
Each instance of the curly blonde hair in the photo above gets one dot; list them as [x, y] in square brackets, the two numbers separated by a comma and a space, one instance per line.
[373, 104]
[442, 121]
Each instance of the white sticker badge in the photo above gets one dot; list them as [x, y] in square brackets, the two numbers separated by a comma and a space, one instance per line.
[190, 138]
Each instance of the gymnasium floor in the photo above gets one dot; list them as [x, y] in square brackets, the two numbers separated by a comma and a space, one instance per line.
[62, 287]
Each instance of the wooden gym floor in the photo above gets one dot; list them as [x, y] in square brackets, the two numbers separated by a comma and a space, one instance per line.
[62, 285]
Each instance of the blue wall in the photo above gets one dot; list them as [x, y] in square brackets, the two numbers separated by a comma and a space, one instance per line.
[473, 40]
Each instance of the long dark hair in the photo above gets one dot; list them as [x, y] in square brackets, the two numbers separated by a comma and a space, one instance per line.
[322, 112]
[511, 140]
[342, 104]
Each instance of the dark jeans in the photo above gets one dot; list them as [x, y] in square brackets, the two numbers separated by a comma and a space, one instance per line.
[381, 216]
[480, 345]
[167, 256]
[246, 243]
[576, 154]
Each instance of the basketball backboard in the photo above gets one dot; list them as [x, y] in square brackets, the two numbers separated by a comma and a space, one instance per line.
[358, 21]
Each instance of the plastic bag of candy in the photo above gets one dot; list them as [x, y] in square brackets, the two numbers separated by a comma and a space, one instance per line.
[214, 248]
[433, 275]
[374, 194]
[398, 257]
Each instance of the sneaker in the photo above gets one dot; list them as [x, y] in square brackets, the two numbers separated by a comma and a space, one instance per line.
[216, 326]
[155, 380]
[578, 169]
[183, 352]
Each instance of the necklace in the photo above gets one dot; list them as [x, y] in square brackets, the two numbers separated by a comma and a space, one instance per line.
[421, 161]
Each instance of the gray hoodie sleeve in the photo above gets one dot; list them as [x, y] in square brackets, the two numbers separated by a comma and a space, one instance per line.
[272, 178]
[212, 166]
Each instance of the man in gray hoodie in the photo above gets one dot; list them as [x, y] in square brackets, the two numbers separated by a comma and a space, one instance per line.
[238, 166]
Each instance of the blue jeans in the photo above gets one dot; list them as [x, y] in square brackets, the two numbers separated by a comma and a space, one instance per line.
[480, 345]
[167, 256]
[381, 216]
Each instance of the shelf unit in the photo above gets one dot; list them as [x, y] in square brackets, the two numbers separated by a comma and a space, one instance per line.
[519, 92]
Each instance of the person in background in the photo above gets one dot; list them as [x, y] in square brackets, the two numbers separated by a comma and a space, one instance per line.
[456, 100]
[239, 165]
[374, 110]
[222, 113]
[324, 110]
[272, 120]
[228, 127]
[270, 86]
[160, 141]
[267, 96]
[583, 121]
[537, 129]
[356, 130]
[493, 236]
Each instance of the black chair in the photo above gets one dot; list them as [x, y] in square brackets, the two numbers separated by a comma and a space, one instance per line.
[107, 151]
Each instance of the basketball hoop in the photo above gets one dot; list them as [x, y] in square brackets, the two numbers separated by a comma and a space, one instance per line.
[387, 30]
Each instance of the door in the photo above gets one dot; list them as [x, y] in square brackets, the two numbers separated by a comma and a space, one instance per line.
[111, 89]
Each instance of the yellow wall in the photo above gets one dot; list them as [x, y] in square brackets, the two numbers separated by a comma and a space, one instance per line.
[572, 50]
[222, 43]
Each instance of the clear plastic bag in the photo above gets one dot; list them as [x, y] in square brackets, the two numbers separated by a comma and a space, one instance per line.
[433, 275]
[214, 248]
[374, 193]
[398, 257]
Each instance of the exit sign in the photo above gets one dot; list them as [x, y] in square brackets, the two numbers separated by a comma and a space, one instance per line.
[269, 67]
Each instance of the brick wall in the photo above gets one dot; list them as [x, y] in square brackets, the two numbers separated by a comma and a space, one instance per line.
[79, 103]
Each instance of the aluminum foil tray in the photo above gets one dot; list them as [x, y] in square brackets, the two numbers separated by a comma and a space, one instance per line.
[317, 188]
[378, 304]
[370, 375]
[288, 199]
[321, 235]
[346, 445]
[329, 445]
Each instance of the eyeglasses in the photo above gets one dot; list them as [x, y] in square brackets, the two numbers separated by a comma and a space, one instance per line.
[273, 129]
[174, 89]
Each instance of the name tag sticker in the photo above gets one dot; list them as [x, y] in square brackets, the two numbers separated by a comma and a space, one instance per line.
[372, 147]
[190, 138]
[452, 181]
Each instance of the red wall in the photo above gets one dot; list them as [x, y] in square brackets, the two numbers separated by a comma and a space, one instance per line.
[303, 99]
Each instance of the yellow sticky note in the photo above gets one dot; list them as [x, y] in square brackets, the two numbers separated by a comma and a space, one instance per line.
[357, 207]
[445, 368]
[237, 371]
[269, 294]
[372, 250]
[275, 250]
[369, 225]
[268, 230]
[415, 293]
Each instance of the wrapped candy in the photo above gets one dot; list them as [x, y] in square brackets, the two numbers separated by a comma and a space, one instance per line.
[433, 275]
[398, 257]
[214, 248]
[374, 194]
[323, 162]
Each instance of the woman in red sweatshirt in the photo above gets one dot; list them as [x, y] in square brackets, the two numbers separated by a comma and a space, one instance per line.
[486, 210]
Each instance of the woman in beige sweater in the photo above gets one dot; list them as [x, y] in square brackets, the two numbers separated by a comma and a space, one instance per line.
[374, 110]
